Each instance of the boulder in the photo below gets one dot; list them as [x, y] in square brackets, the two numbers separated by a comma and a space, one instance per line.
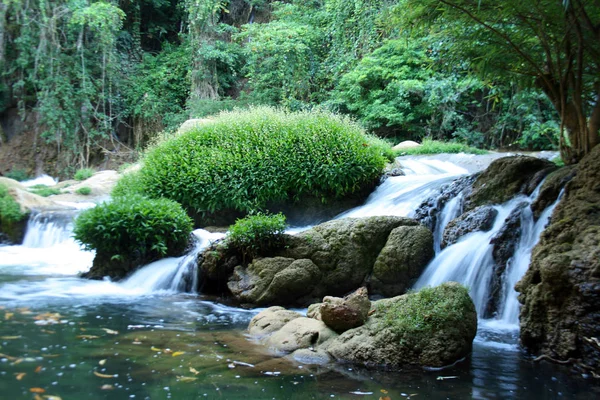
[507, 177]
[270, 321]
[274, 280]
[407, 144]
[299, 333]
[347, 313]
[560, 293]
[479, 219]
[434, 327]
[405, 255]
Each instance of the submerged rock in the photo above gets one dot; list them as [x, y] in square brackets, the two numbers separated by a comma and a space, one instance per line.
[507, 177]
[479, 219]
[347, 313]
[560, 293]
[434, 327]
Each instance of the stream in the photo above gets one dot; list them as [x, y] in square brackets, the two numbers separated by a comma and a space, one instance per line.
[62, 337]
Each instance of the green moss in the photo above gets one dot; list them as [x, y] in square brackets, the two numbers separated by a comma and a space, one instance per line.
[43, 190]
[134, 226]
[436, 147]
[84, 190]
[428, 310]
[17, 174]
[246, 160]
[257, 233]
[10, 211]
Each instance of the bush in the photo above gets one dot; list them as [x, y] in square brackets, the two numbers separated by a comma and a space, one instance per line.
[17, 174]
[84, 191]
[83, 174]
[129, 184]
[134, 227]
[10, 211]
[246, 160]
[257, 233]
[43, 190]
[436, 147]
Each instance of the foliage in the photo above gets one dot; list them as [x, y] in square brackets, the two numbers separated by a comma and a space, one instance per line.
[129, 184]
[17, 174]
[44, 191]
[257, 233]
[246, 160]
[10, 210]
[552, 45]
[84, 191]
[83, 174]
[134, 226]
[436, 147]
[428, 310]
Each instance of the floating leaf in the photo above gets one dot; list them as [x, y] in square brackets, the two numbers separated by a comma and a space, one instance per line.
[155, 349]
[99, 375]
[38, 369]
[102, 362]
[186, 378]
[52, 398]
[385, 398]
[87, 337]
[37, 390]
[19, 375]
[110, 331]
[10, 337]
[443, 378]
[8, 315]
[7, 357]
[178, 353]
[38, 397]
[383, 391]
[48, 332]
[194, 371]
[107, 387]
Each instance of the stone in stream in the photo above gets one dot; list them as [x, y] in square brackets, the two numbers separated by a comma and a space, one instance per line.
[479, 219]
[347, 313]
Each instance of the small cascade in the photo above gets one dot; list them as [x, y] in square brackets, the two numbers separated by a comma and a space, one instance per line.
[451, 210]
[172, 274]
[47, 229]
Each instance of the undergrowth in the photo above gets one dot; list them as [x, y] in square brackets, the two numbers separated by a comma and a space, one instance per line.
[429, 146]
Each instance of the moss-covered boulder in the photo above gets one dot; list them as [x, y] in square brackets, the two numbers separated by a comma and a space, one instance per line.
[506, 177]
[479, 219]
[560, 293]
[405, 255]
[434, 327]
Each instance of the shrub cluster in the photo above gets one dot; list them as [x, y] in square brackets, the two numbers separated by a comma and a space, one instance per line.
[10, 211]
[83, 174]
[256, 233]
[44, 191]
[429, 146]
[245, 160]
[134, 227]
[84, 191]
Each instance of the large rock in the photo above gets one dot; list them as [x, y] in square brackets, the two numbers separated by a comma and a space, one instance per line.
[551, 188]
[560, 293]
[347, 313]
[479, 219]
[299, 333]
[276, 280]
[270, 321]
[405, 255]
[434, 327]
[507, 177]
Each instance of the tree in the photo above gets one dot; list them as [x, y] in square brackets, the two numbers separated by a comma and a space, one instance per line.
[551, 44]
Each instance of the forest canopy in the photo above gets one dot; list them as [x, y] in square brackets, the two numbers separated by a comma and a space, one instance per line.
[101, 75]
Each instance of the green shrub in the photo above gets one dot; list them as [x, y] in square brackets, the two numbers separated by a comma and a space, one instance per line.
[84, 191]
[436, 147]
[129, 184]
[128, 226]
[246, 160]
[43, 190]
[17, 174]
[10, 211]
[429, 309]
[83, 174]
[257, 233]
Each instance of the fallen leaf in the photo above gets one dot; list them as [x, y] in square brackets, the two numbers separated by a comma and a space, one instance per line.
[443, 378]
[102, 362]
[19, 375]
[48, 332]
[383, 391]
[10, 337]
[136, 342]
[107, 387]
[8, 315]
[52, 397]
[38, 397]
[38, 369]
[87, 337]
[385, 398]
[168, 351]
[37, 390]
[50, 355]
[155, 349]
[99, 375]
[7, 357]
[186, 378]
[178, 353]
[194, 371]
[110, 331]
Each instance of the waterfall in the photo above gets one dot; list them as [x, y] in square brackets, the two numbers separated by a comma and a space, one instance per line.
[48, 229]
